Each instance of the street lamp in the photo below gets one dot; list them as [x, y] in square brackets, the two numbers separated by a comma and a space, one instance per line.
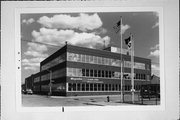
[50, 82]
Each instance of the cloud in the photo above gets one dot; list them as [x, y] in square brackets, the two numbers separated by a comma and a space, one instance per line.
[58, 37]
[156, 16]
[36, 53]
[154, 51]
[155, 69]
[155, 47]
[32, 63]
[155, 25]
[29, 21]
[36, 50]
[124, 28]
[82, 22]
[100, 31]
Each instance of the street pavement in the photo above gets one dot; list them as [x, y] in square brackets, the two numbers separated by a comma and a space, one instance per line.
[53, 101]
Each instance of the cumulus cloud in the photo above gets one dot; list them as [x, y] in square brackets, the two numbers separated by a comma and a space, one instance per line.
[155, 25]
[156, 16]
[155, 47]
[154, 51]
[82, 22]
[29, 21]
[100, 31]
[58, 37]
[36, 52]
[155, 69]
[124, 28]
[31, 64]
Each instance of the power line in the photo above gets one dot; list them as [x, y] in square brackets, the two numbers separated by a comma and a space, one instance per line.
[58, 47]
[41, 43]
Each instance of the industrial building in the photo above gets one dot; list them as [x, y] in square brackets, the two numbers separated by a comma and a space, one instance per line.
[74, 71]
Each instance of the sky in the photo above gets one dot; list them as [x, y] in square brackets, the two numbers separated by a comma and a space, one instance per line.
[44, 33]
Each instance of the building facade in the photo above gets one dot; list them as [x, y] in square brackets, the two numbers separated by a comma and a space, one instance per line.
[74, 70]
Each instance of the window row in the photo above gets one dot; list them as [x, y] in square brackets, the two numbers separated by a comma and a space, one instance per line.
[53, 62]
[92, 59]
[82, 72]
[101, 60]
[37, 79]
[55, 74]
[99, 87]
[78, 72]
[137, 65]
[136, 76]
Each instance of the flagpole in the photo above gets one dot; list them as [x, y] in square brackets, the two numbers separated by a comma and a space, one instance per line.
[132, 67]
[121, 61]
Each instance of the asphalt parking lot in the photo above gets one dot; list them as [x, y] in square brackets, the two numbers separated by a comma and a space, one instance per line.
[114, 100]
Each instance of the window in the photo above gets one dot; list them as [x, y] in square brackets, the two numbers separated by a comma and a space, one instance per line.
[83, 72]
[91, 87]
[95, 60]
[116, 87]
[36, 79]
[119, 87]
[83, 58]
[91, 73]
[110, 61]
[83, 87]
[107, 74]
[87, 87]
[95, 73]
[106, 87]
[87, 72]
[126, 87]
[58, 73]
[45, 77]
[87, 58]
[74, 72]
[110, 87]
[103, 87]
[103, 61]
[113, 74]
[78, 57]
[70, 56]
[69, 87]
[113, 62]
[99, 87]
[103, 74]
[113, 87]
[117, 74]
[74, 86]
[99, 60]
[78, 87]
[91, 59]
[95, 87]
[79, 72]
[110, 74]
[106, 61]
[99, 73]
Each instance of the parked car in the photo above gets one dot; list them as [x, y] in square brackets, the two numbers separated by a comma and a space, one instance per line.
[29, 91]
[24, 92]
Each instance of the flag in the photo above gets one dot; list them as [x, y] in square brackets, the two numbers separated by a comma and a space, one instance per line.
[128, 42]
[117, 27]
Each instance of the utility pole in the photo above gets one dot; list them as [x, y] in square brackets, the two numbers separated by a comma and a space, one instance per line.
[121, 61]
[50, 82]
[132, 67]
